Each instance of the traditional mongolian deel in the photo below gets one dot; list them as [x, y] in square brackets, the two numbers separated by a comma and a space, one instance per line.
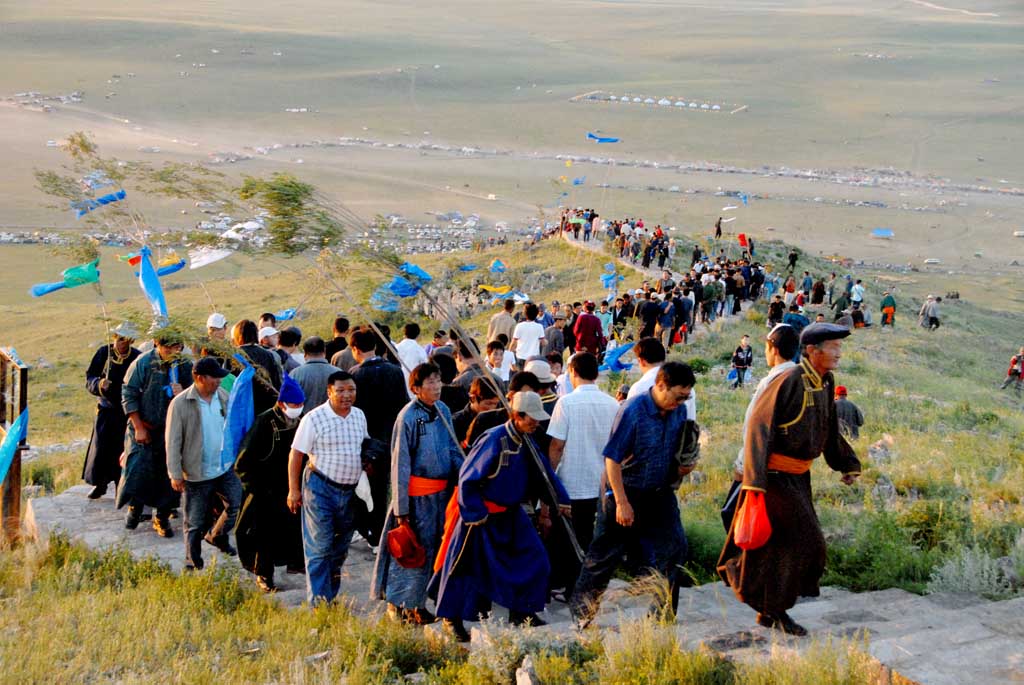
[102, 464]
[425, 463]
[491, 551]
[792, 422]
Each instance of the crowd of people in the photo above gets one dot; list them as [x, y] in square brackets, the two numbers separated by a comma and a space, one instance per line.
[480, 472]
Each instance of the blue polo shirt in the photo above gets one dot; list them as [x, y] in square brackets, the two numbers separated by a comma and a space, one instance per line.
[645, 443]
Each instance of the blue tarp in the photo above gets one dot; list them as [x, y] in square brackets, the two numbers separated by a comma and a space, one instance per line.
[285, 314]
[882, 233]
[416, 273]
[601, 139]
[497, 267]
[468, 267]
[611, 359]
[400, 287]
[384, 300]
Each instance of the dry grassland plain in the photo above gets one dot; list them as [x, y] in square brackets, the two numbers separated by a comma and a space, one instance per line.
[945, 100]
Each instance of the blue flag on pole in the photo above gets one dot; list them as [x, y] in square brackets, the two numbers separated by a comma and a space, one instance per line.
[150, 284]
[611, 359]
[16, 432]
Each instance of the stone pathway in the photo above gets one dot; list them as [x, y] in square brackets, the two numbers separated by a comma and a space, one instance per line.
[936, 639]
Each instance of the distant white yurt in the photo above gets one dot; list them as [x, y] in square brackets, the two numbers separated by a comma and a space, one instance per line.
[705, 106]
[664, 102]
[680, 104]
[649, 101]
[637, 100]
[715, 108]
[693, 105]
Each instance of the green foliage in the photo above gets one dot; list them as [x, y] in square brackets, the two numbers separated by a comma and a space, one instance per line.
[699, 365]
[963, 417]
[936, 523]
[42, 475]
[705, 540]
[756, 316]
[876, 553]
[973, 571]
[79, 251]
[297, 220]
[71, 567]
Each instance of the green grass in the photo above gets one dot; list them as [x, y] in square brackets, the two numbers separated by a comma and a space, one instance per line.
[102, 616]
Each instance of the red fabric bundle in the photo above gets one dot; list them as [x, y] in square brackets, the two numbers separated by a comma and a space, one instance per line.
[752, 527]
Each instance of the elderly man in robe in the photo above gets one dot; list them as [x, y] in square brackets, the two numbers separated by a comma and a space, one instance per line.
[792, 422]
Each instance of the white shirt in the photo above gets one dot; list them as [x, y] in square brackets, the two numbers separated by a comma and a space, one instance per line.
[646, 382]
[411, 355]
[583, 420]
[334, 443]
[857, 292]
[529, 334]
[762, 384]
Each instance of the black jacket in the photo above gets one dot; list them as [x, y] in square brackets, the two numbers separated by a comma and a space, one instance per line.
[381, 394]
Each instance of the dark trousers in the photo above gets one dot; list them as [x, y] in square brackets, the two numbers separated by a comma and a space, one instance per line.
[370, 524]
[199, 496]
[655, 542]
[565, 567]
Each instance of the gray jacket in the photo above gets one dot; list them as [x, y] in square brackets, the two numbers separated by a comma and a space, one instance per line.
[184, 434]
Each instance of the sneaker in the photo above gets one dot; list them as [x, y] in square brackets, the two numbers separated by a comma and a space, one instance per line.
[132, 518]
[163, 527]
[97, 492]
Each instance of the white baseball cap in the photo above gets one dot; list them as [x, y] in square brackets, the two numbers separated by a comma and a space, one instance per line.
[267, 331]
[529, 403]
[216, 320]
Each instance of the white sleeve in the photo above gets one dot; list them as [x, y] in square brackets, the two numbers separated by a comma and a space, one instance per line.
[516, 331]
[558, 427]
[304, 436]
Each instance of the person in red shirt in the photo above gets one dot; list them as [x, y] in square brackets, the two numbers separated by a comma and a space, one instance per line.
[588, 331]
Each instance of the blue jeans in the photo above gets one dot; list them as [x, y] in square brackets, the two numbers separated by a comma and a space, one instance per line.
[328, 520]
[199, 496]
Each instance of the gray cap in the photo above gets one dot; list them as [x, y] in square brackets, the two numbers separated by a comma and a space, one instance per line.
[541, 369]
[529, 403]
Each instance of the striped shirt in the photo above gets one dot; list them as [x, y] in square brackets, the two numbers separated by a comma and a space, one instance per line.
[334, 443]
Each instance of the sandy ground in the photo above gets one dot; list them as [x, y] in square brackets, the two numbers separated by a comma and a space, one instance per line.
[504, 78]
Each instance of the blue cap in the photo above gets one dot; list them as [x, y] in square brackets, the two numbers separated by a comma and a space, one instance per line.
[291, 392]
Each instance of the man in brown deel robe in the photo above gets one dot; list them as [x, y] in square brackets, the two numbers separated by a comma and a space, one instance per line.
[791, 424]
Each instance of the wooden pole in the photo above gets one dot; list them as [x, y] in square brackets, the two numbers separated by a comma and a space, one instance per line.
[14, 379]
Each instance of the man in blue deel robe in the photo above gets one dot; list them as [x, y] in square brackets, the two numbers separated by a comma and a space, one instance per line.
[491, 551]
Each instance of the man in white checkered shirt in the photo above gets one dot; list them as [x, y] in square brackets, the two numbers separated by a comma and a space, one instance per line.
[331, 435]
[580, 425]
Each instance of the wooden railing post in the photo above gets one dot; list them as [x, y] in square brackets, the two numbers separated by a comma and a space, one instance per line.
[13, 401]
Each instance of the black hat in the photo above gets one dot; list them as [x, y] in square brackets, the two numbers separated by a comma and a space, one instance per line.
[820, 332]
[208, 366]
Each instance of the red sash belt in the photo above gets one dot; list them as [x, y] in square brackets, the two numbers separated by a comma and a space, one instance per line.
[780, 462]
[420, 487]
[451, 516]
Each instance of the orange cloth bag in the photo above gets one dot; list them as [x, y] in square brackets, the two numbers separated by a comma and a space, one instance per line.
[752, 528]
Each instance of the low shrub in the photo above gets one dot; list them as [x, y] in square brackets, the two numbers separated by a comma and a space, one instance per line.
[699, 365]
[876, 553]
[936, 523]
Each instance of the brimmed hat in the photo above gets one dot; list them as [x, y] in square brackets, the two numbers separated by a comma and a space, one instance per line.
[820, 332]
[216, 320]
[267, 331]
[541, 369]
[126, 329]
[529, 403]
[208, 366]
